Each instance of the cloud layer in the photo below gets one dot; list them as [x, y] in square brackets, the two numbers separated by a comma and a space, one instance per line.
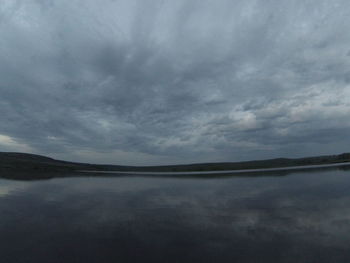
[174, 81]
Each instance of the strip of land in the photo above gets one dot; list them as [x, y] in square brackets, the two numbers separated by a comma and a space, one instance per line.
[12, 162]
[301, 167]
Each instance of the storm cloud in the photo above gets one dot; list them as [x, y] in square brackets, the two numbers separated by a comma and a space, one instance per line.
[160, 81]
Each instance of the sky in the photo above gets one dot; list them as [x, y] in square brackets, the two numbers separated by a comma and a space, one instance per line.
[165, 82]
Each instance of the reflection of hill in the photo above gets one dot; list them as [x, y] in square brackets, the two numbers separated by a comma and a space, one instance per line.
[345, 168]
[16, 165]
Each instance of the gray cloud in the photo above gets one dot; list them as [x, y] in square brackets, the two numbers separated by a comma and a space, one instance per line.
[174, 81]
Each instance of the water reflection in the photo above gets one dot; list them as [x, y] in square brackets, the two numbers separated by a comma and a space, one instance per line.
[302, 217]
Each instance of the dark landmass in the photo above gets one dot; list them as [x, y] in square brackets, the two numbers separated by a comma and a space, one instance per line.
[12, 162]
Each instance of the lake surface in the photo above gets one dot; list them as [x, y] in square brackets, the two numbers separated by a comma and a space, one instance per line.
[300, 216]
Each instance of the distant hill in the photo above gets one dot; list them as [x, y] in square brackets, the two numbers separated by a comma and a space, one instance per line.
[10, 162]
[32, 162]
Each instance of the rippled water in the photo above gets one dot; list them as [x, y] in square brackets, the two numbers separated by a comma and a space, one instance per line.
[298, 217]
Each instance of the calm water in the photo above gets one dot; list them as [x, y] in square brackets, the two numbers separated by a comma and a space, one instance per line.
[298, 217]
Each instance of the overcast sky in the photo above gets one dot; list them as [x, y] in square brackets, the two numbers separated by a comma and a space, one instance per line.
[165, 81]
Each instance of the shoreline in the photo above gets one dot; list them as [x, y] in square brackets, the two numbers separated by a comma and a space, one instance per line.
[286, 168]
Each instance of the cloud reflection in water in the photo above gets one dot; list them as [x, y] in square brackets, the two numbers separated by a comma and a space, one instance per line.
[303, 217]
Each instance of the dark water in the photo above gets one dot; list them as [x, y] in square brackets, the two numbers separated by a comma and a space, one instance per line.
[299, 217]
